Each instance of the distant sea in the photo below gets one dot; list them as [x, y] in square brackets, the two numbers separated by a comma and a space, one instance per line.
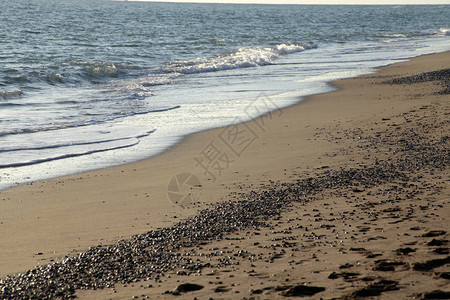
[90, 84]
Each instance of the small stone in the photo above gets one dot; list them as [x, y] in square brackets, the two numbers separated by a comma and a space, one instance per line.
[405, 251]
[376, 289]
[431, 264]
[441, 250]
[435, 242]
[221, 289]
[188, 287]
[303, 290]
[437, 294]
[434, 233]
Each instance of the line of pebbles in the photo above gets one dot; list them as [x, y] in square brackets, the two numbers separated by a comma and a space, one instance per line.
[151, 254]
[443, 76]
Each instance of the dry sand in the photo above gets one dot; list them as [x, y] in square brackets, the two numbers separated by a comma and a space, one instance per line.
[44, 221]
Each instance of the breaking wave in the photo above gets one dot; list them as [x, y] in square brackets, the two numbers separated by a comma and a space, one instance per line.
[242, 58]
[444, 31]
[6, 95]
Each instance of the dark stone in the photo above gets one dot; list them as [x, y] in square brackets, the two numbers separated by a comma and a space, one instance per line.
[345, 266]
[405, 251]
[388, 265]
[377, 288]
[373, 255]
[367, 278]
[357, 249]
[392, 209]
[221, 289]
[348, 275]
[431, 264]
[282, 288]
[435, 242]
[438, 294]
[333, 275]
[303, 290]
[345, 275]
[384, 267]
[441, 250]
[445, 275]
[434, 233]
[188, 287]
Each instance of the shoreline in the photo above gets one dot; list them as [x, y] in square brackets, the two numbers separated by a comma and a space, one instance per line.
[179, 139]
[183, 137]
[101, 199]
[55, 164]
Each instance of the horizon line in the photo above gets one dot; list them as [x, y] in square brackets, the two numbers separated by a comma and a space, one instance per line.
[268, 3]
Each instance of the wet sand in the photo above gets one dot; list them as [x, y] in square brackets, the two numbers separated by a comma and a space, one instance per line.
[373, 158]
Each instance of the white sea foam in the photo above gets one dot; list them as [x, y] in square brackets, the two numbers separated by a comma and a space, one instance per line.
[31, 148]
[35, 156]
[159, 79]
[98, 69]
[393, 35]
[444, 31]
[142, 87]
[341, 74]
[54, 78]
[284, 49]
[242, 58]
[6, 95]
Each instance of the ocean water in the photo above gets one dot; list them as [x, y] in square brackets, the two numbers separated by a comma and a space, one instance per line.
[90, 84]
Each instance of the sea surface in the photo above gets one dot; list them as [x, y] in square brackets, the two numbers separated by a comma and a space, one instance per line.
[91, 84]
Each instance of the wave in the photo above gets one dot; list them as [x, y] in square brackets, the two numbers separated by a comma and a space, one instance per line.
[391, 35]
[54, 78]
[158, 79]
[242, 58]
[17, 79]
[33, 148]
[73, 73]
[395, 37]
[444, 31]
[62, 144]
[138, 82]
[31, 157]
[76, 73]
[7, 95]
[90, 123]
[99, 70]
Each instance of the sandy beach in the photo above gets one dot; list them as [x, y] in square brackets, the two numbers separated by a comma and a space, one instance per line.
[347, 194]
